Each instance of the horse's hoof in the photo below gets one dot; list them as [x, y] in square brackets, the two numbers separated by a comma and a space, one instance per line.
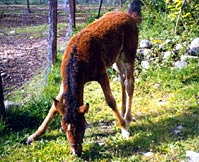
[134, 119]
[125, 133]
[28, 142]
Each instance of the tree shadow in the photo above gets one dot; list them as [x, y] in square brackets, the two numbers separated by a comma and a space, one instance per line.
[147, 137]
[19, 122]
[144, 137]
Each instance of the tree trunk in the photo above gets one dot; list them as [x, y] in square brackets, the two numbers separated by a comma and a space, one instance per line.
[2, 107]
[72, 7]
[53, 31]
[121, 3]
[28, 6]
[100, 5]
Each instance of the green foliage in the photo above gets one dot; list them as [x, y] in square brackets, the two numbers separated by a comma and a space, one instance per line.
[158, 5]
[164, 99]
[183, 13]
[163, 19]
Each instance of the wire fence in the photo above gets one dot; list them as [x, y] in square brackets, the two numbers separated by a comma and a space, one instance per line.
[24, 40]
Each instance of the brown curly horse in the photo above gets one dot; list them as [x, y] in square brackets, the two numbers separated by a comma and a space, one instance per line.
[111, 39]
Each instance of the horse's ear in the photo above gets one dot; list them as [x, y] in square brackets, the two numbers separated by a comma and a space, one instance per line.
[83, 109]
[58, 106]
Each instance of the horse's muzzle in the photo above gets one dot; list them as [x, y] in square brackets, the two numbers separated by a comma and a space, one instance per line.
[76, 150]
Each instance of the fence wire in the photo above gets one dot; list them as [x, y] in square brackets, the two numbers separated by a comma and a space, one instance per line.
[23, 41]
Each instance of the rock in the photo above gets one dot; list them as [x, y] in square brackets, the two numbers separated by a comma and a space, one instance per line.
[12, 32]
[3, 74]
[187, 57]
[167, 55]
[148, 154]
[145, 65]
[145, 44]
[161, 102]
[178, 130]
[180, 64]
[146, 52]
[194, 43]
[143, 54]
[194, 47]
[179, 127]
[192, 156]
[194, 51]
[178, 47]
[157, 85]
[9, 105]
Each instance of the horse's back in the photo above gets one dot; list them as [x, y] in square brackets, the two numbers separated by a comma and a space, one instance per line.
[107, 36]
[102, 42]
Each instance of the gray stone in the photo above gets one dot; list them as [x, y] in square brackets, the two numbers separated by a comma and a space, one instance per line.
[145, 44]
[167, 55]
[145, 65]
[192, 156]
[194, 47]
[178, 47]
[12, 32]
[188, 57]
[9, 105]
[180, 64]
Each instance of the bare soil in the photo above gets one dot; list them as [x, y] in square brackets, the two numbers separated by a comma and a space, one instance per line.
[20, 59]
[22, 55]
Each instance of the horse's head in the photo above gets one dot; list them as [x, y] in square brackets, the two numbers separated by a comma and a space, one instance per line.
[75, 130]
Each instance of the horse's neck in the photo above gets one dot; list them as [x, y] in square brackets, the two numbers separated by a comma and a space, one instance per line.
[74, 89]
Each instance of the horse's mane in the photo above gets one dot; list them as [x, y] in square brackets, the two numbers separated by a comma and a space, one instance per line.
[73, 73]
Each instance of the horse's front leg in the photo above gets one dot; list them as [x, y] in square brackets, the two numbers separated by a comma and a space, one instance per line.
[104, 82]
[42, 128]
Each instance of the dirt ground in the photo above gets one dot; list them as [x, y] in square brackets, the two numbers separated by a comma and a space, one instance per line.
[20, 59]
[23, 55]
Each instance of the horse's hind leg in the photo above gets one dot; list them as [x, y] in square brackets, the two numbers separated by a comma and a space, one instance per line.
[129, 89]
[125, 71]
[117, 66]
[42, 128]
[104, 82]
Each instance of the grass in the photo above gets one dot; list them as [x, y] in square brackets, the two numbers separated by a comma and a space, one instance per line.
[164, 99]
[165, 105]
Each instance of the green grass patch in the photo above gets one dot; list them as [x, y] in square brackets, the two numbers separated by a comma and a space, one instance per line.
[164, 100]
[165, 105]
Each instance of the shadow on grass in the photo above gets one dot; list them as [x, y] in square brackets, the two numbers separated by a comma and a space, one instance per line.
[18, 122]
[149, 136]
[24, 118]
[144, 137]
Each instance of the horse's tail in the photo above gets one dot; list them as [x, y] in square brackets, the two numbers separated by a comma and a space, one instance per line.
[135, 10]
